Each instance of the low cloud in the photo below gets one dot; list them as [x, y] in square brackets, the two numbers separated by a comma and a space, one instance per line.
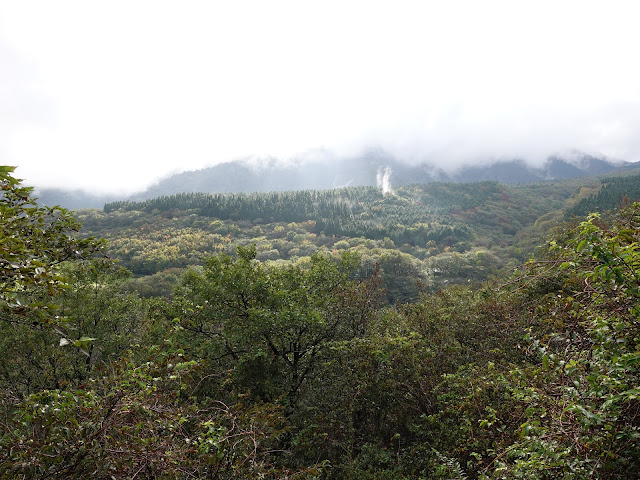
[80, 107]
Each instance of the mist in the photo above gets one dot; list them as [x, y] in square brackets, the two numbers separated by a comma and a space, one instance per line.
[184, 87]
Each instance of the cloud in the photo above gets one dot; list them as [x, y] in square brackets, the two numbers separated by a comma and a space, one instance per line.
[111, 97]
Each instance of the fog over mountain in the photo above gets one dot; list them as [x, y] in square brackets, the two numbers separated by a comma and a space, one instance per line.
[323, 170]
[328, 171]
[112, 98]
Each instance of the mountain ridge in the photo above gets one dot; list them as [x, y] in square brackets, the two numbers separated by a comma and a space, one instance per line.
[325, 171]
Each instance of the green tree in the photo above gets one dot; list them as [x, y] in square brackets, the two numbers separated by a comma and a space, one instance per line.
[582, 415]
[137, 421]
[93, 308]
[34, 242]
[271, 325]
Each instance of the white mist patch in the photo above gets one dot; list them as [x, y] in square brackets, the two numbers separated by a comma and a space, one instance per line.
[383, 180]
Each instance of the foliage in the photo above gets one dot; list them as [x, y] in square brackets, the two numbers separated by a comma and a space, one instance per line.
[613, 192]
[272, 324]
[34, 242]
[275, 356]
[138, 422]
[583, 416]
[441, 226]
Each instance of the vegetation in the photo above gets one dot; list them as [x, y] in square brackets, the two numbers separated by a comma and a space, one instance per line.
[433, 234]
[614, 191]
[246, 365]
[33, 242]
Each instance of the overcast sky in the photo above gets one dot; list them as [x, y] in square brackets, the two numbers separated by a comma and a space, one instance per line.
[112, 95]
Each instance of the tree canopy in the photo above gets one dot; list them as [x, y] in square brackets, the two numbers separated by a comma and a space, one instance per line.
[34, 242]
[255, 367]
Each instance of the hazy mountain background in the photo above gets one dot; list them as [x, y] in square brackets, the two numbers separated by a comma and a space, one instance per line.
[321, 170]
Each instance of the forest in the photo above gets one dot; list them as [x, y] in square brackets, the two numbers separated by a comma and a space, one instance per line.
[447, 331]
[437, 233]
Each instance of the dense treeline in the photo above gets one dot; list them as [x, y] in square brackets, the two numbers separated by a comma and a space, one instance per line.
[404, 217]
[346, 212]
[253, 369]
[274, 207]
[614, 191]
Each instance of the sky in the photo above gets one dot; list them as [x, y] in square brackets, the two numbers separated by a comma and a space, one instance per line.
[110, 96]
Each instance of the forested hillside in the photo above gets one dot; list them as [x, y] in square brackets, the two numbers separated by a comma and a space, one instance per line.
[419, 237]
[614, 191]
[238, 356]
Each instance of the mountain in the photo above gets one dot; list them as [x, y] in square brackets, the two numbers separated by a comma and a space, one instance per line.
[321, 170]
[72, 199]
[513, 172]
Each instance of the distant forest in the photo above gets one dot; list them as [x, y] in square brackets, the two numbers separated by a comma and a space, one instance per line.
[446, 331]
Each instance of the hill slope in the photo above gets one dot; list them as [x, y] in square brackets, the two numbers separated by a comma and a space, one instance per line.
[434, 233]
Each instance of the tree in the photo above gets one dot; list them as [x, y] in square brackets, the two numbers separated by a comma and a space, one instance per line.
[136, 421]
[271, 325]
[93, 307]
[34, 242]
[582, 415]
[36, 245]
